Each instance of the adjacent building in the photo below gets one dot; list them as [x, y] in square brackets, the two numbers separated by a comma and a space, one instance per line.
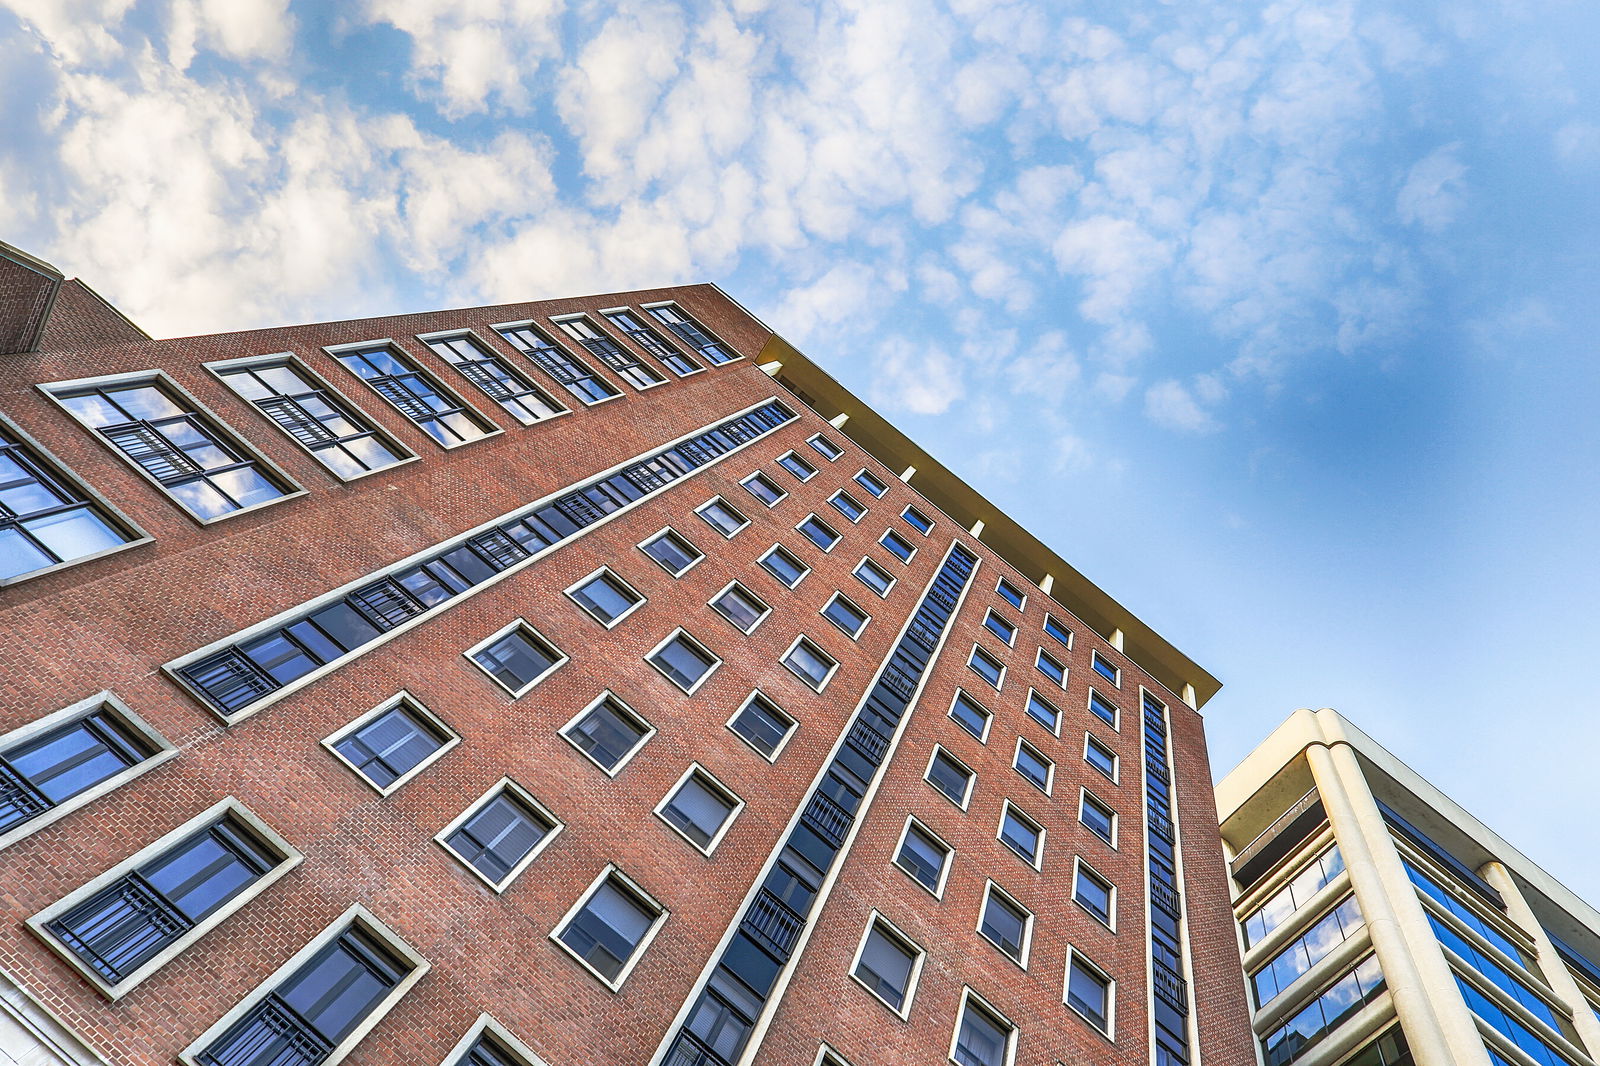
[587, 681]
[1382, 925]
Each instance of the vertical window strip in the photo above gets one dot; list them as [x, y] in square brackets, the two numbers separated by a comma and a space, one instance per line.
[1166, 911]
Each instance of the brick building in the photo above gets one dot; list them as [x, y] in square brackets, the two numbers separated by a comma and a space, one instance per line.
[577, 682]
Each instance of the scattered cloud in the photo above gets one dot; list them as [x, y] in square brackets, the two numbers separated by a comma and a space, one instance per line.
[1434, 191]
[1173, 405]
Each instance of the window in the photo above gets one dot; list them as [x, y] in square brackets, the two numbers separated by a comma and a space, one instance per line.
[1099, 756]
[1032, 765]
[847, 505]
[1049, 667]
[874, 577]
[917, 520]
[1044, 712]
[517, 658]
[762, 725]
[45, 518]
[325, 998]
[1100, 819]
[872, 483]
[684, 661]
[611, 926]
[606, 597]
[810, 663]
[818, 532]
[567, 371]
[825, 447]
[692, 334]
[987, 666]
[627, 366]
[700, 808]
[741, 607]
[887, 964]
[763, 488]
[393, 743]
[846, 615]
[162, 433]
[1057, 630]
[1103, 708]
[1089, 992]
[1311, 947]
[1005, 923]
[437, 411]
[797, 466]
[495, 377]
[782, 564]
[609, 732]
[488, 1043]
[1283, 904]
[1000, 628]
[950, 776]
[898, 546]
[1311, 1023]
[1010, 593]
[971, 715]
[722, 517]
[672, 552]
[924, 856]
[983, 1037]
[1022, 835]
[501, 834]
[69, 758]
[652, 342]
[127, 923]
[1094, 893]
[1103, 667]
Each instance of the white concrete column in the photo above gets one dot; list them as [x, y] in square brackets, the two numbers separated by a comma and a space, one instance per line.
[772, 368]
[838, 420]
[1116, 639]
[977, 528]
[1189, 695]
[905, 475]
[1047, 583]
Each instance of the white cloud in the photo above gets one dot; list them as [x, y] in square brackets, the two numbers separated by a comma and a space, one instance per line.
[1173, 406]
[241, 29]
[469, 52]
[76, 31]
[1434, 191]
[916, 378]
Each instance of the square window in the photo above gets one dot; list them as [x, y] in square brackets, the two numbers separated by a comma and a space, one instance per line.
[700, 809]
[1089, 992]
[1000, 628]
[1105, 669]
[924, 856]
[983, 1038]
[971, 715]
[1093, 892]
[1100, 819]
[501, 834]
[1049, 667]
[781, 563]
[393, 743]
[797, 466]
[1005, 923]
[874, 577]
[684, 661]
[1099, 756]
[740, 606]
[1022, 835]
[1010, 593]
[517, 658]
[672, 552]
[605, 597]
[818, 532]
[1032, 764]
[810, 663]
[950, 776]
[825, 447]
[763, 488]
[722, 517]
[898, 546]
[1103, 708]
[886, 964]
[1044, 712]
[762, 725]
[987, 666]
[871, 482]
[1057, 630]
[917, 520]
[609, 732]
[846, 615]
[847, 505]
[610, 928]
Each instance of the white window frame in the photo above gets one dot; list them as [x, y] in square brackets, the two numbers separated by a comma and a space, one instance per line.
[734, 355]
[1115, 725]
[562, 408]
[972, 775]
[716, 661]
[505, 784]
[803, 460]
[288, 858]
[582, 316]
[356, 915]
[1026, 951]
[794, 725]
[669, 339]
[520, 623]
[988, 721]
[919, 956]
[1084, 795]
[501, 1035]
[1034, 694]
[812, 440]
[1065, 670]
[977, 650]
[992, 613]
[761, 475]
[611, 696]
[605, 571]
[1050, 617]
[866, 560]
[1001, 579]
[828, 1055]
[920, 531]
[1050, 774]
[557, 339]
[639, 949]
[1073, 953]
[1037, 862]
[805, 570]
[1115, 776]
[856, 478]
[766, 608]
[719, 498]
[832, 670]
[843, 513]
[699, 558]
[494, 428]
[866, 619]
[968, 997]
[413, 706]
[1079, 866]
[903, 562]
[1116, 680]
[163, 748]
[698, 769]
[837, 536]
[937, 892]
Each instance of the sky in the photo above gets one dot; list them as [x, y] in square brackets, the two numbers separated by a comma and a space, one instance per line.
[1276, 319]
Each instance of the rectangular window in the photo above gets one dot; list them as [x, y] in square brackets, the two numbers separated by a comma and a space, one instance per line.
[763, 488]
[1000, 628]
[971, 715]
[897, 545]
[1055, 629]
[872, 483]
[393, 743]
[609, 732]
[825, 447]
[1005, 923]
[684, 661]
[924, 856]
[722, 516]
[1099, 756]
[740, 606]
[850, 619]
[1285, 902]
[46, 518]
[517, 658]
[566, 370]
[782, 564]
[1103, 667]
[605, 597]
[700, 808]
[626, 366]
[1310, 1024]
[1089, 992]
[983, 1037]
[495, 377]
[874, 577]
[674, 554]
[917, 520]
[692, 334]
[818, 532]
[610, 927]
[987, 666]
[1044, 712]
[652, 342]
[1312, 946]
[1049, 667]
[810, 663]
[950, 776]
[488, 1043]
[847, 505]
[1022, 835]
[1103, 708]
[797, 466]
[1032, 764]
[501, 834]
[1094, 893]
[1010, 593]
[413, 392]
[887, 964]
[165, 436]
[1101, 820]
[762, 725]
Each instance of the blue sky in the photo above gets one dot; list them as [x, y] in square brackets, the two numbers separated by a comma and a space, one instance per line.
[1276, 319]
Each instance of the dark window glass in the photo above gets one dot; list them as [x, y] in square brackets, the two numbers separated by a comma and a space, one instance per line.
[698, 809]
[761, 487]
[517, 659]
[1104, 668]
[817, 532]
[608, 928]
[652, 342]
[922, 857]
[1103, 708]
[626, 365]
[1058, 631]
[568, 371]
[1020, 835]
[693, 334]
[673, 552]
[684, 661]
[872, 483]
[1004, 924]
[874, 577]
[981, 1039]
[1094, 893]
[847, 505]
[1089, 993]
[917, 520]
[1098, 817]
[885, 966]
[606, 597]
[486, 1051]
[723, 518]
[436, 410]
[898, 546]
[825, 447]
[315, 416]
[950, 777]
[999, 627]
[762, 724]
[499, 835]
[45, 519]
[973, 717]
[846, 615]
[1043, 712]
[391, 745]
[740, 607]
[1100, 757]
[495, 378]
[810, 662]
[1051, 669]
[797, 466]
[1035, 767]
[986, 666]
[608, 732]
[782, 564]
[1010, 593]
[69, 760]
